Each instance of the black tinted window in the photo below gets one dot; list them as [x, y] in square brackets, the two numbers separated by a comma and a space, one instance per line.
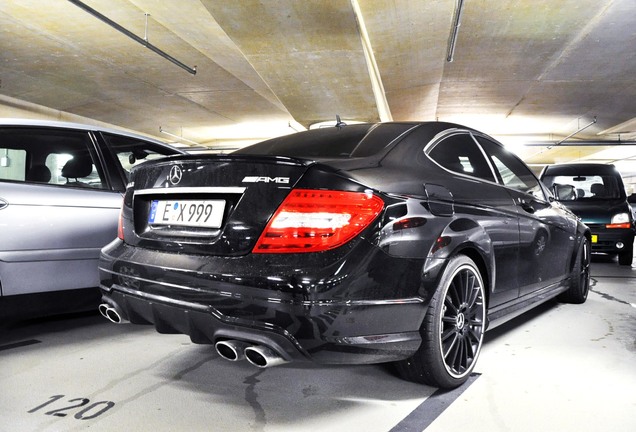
[459, 153]
[511, 171]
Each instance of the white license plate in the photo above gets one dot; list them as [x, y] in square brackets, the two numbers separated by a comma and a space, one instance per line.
[190, 213]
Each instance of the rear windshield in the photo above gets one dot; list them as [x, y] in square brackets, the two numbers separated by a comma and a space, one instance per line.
[584, 186]
[359, 140]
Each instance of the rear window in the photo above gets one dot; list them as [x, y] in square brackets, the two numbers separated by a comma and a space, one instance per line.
[360, 140]
[131, 151]
[585, 186]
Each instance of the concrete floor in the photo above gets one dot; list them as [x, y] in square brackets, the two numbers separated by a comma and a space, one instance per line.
[558, 368]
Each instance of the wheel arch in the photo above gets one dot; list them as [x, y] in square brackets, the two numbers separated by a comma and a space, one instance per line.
[582, 232]
[480, 261]
[464, 237]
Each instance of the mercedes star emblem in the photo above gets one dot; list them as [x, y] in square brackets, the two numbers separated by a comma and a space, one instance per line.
[175, 175]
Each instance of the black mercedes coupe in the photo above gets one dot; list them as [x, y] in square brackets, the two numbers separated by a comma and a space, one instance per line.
[357, 244]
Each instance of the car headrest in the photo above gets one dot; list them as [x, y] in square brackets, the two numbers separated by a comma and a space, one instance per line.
[39, 173]
[597, 189]
[79, 166]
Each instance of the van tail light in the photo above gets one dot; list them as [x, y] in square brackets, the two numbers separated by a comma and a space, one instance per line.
[620, 220]
[619, 225]
[318, 220]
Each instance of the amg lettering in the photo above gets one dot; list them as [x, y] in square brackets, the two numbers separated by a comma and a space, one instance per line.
[257, 179]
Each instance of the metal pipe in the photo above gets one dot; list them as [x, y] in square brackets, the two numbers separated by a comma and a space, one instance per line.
[574, 133]
[581, 143]
[452, 41]
[111, 313]
[232, 350]
[263, 357]
[133, 36]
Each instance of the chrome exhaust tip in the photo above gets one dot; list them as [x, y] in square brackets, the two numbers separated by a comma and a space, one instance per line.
[263, 357]
[110, 313]
[232, 350]
[103, 308]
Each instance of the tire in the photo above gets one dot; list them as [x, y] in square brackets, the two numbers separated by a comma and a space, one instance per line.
[452, 331]
[625, 257]
[580, 278]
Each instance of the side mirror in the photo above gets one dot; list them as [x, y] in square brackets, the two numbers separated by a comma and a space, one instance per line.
[564, 192]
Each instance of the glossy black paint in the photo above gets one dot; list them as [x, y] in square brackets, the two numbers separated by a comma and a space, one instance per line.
[363, 302]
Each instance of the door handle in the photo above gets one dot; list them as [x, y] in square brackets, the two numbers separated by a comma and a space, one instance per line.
[3, 204]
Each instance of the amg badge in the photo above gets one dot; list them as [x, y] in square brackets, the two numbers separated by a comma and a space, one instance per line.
[257, 179]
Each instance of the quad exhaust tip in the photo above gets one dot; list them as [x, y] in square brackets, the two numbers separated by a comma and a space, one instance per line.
[258, 355]
[231, 350]
[263, 357]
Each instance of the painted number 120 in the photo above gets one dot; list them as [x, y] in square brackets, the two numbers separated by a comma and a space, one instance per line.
[87, 412]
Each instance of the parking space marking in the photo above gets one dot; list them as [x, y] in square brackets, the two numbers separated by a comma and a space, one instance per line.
[428, 411]
[19, 344]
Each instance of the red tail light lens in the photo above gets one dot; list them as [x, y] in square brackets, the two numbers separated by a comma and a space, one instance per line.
[619, 225]
[120, 225]
[318, 220]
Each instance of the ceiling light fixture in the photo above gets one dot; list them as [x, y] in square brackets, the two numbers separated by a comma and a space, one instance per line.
[178, 137]
[452, 40]
[133, 36]
[384, 111]
[625, 128]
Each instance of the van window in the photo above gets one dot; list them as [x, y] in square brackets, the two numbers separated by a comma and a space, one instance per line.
[586, 186]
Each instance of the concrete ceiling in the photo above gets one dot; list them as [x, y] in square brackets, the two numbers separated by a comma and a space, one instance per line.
[525, 71]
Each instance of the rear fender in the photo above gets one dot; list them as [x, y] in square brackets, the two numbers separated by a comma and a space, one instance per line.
[461, 236]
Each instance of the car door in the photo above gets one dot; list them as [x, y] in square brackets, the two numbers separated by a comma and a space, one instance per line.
[477, 195]
[545, 233]
[57, 210]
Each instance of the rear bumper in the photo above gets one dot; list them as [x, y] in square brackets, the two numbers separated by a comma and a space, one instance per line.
[607, 239]
[328, 314]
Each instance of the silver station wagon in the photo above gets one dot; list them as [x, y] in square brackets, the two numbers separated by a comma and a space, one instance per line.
[61, 189]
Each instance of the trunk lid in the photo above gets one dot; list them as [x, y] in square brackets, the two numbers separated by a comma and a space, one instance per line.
[210, 204]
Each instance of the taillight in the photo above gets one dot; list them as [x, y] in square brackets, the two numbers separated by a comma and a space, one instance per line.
[120, 225]
[620, 220]
[318, 220]
[619, 225]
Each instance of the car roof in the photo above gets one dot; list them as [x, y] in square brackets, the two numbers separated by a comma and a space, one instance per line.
[345, 141]
[71, 125]
[579, 168]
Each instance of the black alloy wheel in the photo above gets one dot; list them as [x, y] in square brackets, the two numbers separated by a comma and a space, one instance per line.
[453, 329]
[580, 279]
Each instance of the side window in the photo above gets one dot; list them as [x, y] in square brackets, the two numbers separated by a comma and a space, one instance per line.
[132, 151]
[50, 156]
[459, 153]
[12, 163]
[512, 172]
